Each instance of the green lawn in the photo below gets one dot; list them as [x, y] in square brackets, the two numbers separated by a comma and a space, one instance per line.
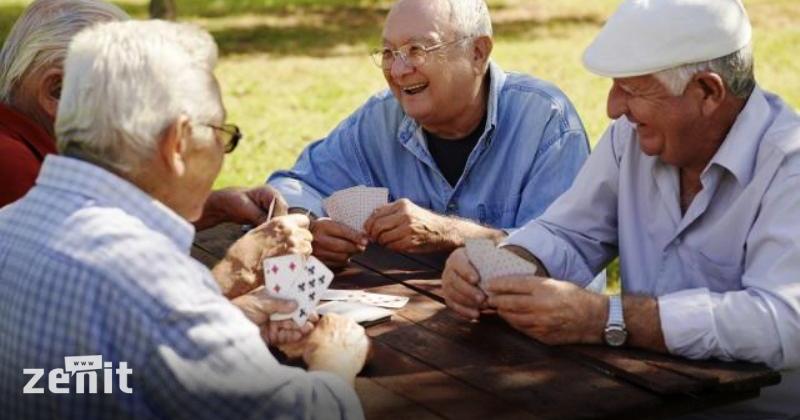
[291, 70]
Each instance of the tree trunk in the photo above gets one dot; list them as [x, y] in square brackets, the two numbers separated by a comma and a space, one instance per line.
[163, 9]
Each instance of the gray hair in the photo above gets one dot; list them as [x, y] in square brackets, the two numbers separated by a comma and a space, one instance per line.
[40, 37]
[125, 83]
[735, 69]
[470, 17]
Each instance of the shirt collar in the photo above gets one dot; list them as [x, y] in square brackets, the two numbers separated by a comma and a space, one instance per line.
[27, 131]
[107, 189]
[738, 151]
[497, 78]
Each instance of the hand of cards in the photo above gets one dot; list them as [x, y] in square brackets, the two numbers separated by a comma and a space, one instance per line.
[294, 277]
[353, 206]
[492, 262]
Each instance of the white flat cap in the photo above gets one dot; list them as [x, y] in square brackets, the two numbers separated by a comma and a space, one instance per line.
[647, 36]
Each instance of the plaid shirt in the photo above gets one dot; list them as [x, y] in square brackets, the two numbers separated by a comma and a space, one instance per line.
[91, 265]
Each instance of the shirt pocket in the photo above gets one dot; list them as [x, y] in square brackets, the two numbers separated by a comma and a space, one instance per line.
[717, 276]
[500, 213]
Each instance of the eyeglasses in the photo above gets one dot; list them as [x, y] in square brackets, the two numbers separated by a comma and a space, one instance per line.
[413, 55]
[231, 135]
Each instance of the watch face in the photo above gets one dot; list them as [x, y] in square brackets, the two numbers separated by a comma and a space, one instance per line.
[615, 336]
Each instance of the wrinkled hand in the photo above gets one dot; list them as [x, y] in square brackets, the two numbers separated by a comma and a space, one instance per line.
[241, 270]
[242, 206]
[460, 286]
[405, 227]
[334, 243]
[549, 310]
[337, 345]
[258, 307]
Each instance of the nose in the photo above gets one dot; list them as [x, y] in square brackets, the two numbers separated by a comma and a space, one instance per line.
[400, 68]
[617, 104]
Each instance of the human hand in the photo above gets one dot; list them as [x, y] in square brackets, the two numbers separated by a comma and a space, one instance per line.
[405, 227]
[551, 311]
[257, 306]
[243, 206]
[334, 243]
[460, 282]
[337, 345]
[241, 269]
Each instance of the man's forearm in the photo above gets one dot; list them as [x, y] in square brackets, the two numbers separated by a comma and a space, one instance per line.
[462, 229]
[643, 322]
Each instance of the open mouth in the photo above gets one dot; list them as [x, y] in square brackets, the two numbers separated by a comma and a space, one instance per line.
[415, 89]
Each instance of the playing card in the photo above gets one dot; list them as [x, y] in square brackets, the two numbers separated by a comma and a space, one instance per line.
[374, 299]
[359, 312]
[492, 262]
[281, 275]
[354, 205]
[295, 278]
[319, 278]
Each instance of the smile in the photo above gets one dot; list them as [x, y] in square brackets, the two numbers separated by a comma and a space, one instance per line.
[414, 89]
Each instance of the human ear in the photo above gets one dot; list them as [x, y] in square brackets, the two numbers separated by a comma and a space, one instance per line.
[710, 89]
[172, 145]
[49, 91]
[481, 50]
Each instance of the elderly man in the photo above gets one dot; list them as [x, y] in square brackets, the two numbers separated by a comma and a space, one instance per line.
[94, 259]
[464, 148]
[30, 86]
[694, 186]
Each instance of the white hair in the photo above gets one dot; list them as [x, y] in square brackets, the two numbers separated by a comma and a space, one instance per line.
[470, 17]
[125, 83]
[39, 39]
[735, 69]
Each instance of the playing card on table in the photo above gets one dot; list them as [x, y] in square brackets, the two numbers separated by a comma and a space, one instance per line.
[354, 205]
[374, 299]
[492, 262]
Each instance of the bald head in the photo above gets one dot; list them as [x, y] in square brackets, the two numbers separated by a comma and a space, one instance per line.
[459, 17]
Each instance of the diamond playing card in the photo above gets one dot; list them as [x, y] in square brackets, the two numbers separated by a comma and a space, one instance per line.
[492, 262]
[293, 277]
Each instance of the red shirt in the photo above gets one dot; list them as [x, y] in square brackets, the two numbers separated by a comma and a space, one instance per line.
[23, 146]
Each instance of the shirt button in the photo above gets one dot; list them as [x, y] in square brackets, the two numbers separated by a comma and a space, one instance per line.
[452, 208]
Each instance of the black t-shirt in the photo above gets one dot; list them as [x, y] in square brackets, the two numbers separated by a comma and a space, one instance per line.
[451, 155]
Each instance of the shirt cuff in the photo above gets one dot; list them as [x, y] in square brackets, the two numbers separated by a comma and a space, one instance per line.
[297, 194]
[687, 322]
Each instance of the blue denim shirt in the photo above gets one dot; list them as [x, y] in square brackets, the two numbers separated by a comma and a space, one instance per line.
[530, 151]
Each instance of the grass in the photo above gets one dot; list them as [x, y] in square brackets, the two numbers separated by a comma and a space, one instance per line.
[292, 69]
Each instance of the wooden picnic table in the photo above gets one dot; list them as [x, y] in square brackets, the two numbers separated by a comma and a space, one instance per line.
[429, 363]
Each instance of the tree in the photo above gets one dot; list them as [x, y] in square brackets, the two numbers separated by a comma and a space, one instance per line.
[163, 9]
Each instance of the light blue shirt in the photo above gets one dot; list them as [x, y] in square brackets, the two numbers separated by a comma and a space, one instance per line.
[91, 265]
[529, 153]
[727, 273]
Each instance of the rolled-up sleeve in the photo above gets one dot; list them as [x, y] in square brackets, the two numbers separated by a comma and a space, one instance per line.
[761, 322]
[576, 237]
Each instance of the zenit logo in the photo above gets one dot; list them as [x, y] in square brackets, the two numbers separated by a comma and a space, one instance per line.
[84, 370]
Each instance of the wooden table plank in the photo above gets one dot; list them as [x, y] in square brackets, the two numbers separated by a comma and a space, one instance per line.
[381, 403]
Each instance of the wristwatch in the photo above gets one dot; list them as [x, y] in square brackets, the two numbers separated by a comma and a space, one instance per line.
[615, 333]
